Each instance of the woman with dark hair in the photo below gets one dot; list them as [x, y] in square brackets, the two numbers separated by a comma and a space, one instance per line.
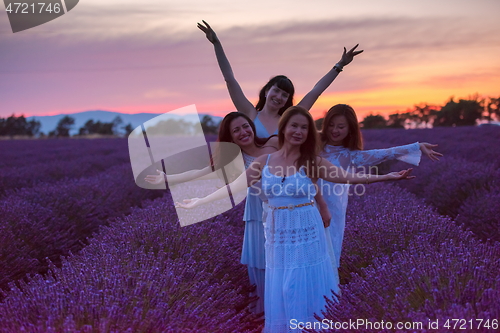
[277, 95]
[342, 145]
[299, 271]
[237, 128]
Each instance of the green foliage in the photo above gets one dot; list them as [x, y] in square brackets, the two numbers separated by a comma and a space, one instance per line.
[463, 113]
[63, 127]
[208, 125]
[374, 121]
[18, 126]
[319, 123]
[397, 120]
[492, 108]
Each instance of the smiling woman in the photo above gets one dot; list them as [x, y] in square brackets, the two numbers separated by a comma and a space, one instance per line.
[299, 270]
[277, 95]
[342, 145]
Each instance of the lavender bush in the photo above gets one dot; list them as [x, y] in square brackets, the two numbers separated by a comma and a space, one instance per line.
[16, 153]
[51, 220]
[401, 261]
[31, 163]
[464, 184]
[143, 274]
[480, 213]
[474, 144]
[404, 262]
[387, 219]
[463, 190]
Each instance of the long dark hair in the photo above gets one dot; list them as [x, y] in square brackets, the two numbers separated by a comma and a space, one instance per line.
[309, 149]
[225, 131]
[354, 139]
[218, 159]
[281, 82]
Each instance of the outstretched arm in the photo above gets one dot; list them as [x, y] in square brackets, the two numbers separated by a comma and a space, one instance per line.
[408, 153]
[334, 174]
[205, 173]
[248, 178]
[239, 99]
[426, 149]
[311, 97]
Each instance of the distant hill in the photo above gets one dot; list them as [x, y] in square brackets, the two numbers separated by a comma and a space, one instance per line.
[49, 123]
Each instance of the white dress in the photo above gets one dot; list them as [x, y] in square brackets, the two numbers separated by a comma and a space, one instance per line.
[299, 271]
[253, 251]
[336, 195]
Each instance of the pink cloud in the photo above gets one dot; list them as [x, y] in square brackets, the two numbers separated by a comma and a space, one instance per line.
[44, 74]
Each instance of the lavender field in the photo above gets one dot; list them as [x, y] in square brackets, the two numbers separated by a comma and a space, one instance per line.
[83, 249]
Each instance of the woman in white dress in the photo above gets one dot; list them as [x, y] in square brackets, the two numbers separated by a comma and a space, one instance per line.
[342, 145]
[237, 128]
[299, 271]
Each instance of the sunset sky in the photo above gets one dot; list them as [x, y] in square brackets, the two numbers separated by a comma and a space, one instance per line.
[137, 56]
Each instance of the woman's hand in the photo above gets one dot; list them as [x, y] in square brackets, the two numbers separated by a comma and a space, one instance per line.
[188, 203]
[326, 216]
[403, 174]
[209, 32]
[426, 149]
[156, 179]
[348, 56]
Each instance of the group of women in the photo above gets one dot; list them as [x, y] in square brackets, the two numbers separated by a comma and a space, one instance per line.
[293, 222]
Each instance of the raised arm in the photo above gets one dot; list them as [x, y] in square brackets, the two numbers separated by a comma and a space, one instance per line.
[239, 99]
[311, 97]
[248, 178]
[334, 174]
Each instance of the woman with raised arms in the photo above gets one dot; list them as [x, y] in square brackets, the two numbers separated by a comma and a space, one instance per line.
[277, 95]
[274, 98]
[299, 271]
[342, 145]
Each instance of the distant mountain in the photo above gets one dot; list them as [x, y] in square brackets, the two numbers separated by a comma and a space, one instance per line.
[49, 123]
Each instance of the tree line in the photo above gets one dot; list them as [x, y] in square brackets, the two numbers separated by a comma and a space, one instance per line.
[19, 126]
[464, 112]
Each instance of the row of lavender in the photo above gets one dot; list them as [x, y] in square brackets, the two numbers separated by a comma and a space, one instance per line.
[465, 184]
[401, 262]
[142, 274]
[474, 144]
[42, 223]
[18, 152]
[26, 163]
